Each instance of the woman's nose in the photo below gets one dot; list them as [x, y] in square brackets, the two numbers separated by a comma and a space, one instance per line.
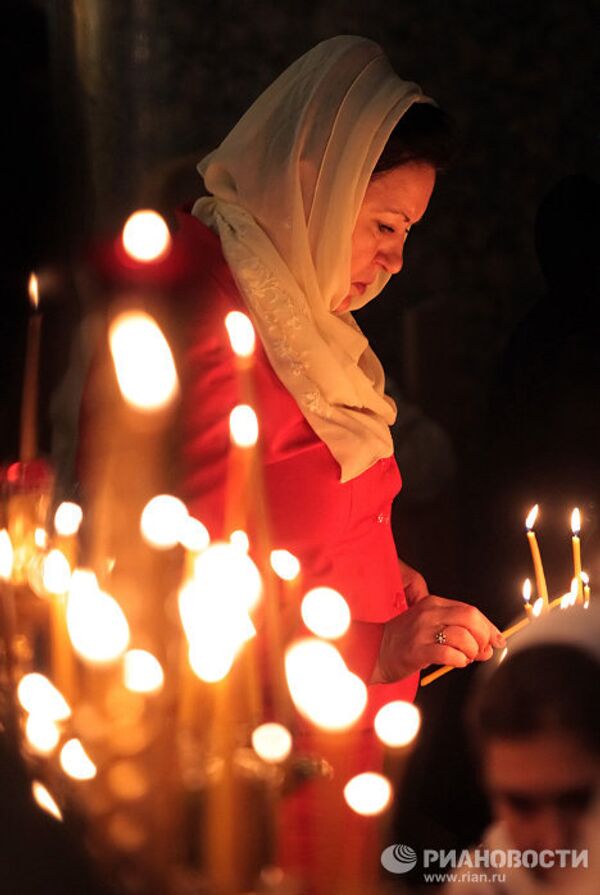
[392, 260]
[554, 829]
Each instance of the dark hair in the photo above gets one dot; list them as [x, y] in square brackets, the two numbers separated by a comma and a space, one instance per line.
[424, 134]
[544, 689]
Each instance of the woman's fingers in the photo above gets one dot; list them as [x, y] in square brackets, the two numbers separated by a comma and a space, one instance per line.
[451, 612]
[461, 639]
[435, 631]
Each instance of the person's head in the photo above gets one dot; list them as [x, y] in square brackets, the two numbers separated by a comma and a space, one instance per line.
[398, 194]
[312, 157]
[535, 729]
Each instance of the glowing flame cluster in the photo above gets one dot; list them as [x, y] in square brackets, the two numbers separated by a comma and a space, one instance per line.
[322, 687]
[165, 522]
[215, 608]
[46, 708]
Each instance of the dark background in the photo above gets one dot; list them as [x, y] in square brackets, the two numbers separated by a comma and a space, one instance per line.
[109, 104]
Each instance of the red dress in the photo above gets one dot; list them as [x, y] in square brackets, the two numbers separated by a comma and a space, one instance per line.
[341, 533]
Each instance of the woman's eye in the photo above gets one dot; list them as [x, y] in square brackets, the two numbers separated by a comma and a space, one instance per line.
[385, 228]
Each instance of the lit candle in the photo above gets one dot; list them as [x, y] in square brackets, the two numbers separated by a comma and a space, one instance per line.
[527, 595]
[536, 556]
[29, 405]
[576, 543]
[586, 589]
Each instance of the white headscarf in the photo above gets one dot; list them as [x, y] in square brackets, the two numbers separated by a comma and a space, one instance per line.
[286, 187]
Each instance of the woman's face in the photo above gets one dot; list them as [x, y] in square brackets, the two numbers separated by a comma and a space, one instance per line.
[394, 201]
[542, 787]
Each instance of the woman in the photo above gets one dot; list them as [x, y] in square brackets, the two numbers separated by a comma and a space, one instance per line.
[311, 198]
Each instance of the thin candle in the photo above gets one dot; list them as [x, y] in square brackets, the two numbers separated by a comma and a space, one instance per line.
[576, 545]
[29, 407]
[527, 595]
[586, 589]
[538, 568]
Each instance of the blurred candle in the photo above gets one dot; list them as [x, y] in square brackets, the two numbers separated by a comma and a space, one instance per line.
[586, 589]
[527, 596]
[29, 406]
[576, 544]
[536, 556]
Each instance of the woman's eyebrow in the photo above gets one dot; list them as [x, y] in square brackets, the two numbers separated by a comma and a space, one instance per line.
[397, 211]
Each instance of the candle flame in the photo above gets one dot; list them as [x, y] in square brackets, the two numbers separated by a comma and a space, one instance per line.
[42, 734]
[243, 426]
[194, 535]
[143, 362]
[142, 672]
[6, 556]
[211, 661]
[285, 564]
[40, 697]
[240, 540]
[326, 613]
[75, 761]
[537, 607]
[45, 800]
[368, 794]
[565, 601]
[215, 635]
[527, 590]
[40, 536]
[214, 609]
[33, 291]
[241, 333]
[227, 576]
[56, 573]
[585, 577]
[397, 723]
[531, 517]
[97, 626]
[163, 521]
[574, 589]
[145, 236]
[272, 742]
[67, 519]
[576, 521]
[322, 688]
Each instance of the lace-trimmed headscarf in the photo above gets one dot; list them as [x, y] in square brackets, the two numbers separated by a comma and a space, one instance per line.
[286, 186]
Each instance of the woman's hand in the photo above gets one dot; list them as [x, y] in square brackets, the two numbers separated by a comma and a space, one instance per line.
[411, 641]
[415, 586]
